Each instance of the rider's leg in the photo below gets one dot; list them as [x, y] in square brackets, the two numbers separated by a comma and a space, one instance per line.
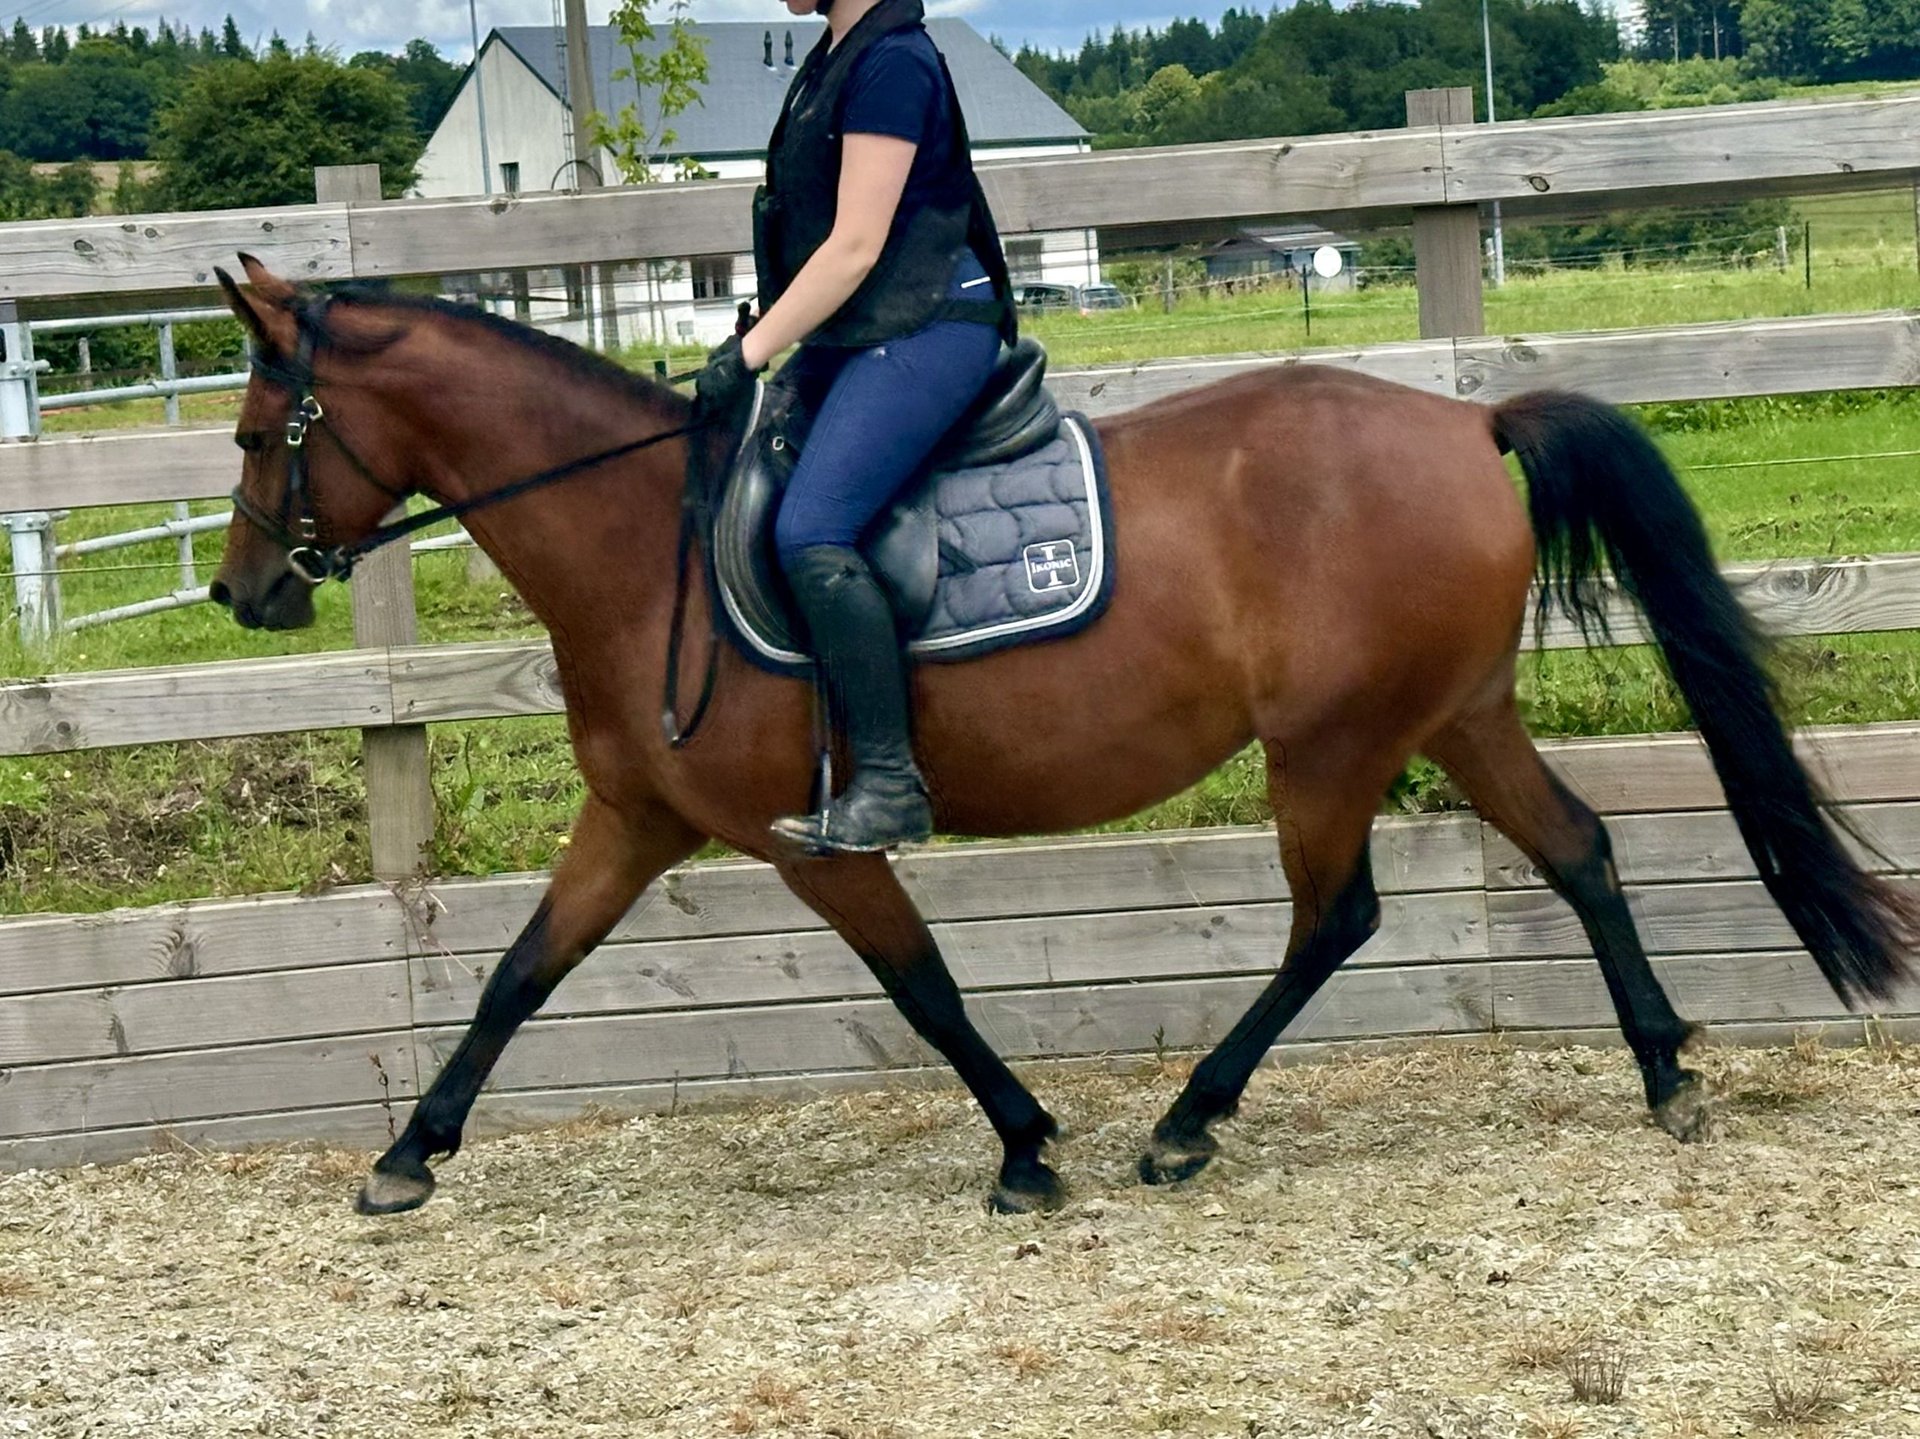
[886, 410]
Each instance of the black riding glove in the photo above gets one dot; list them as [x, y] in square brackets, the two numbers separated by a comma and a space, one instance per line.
[725, 382]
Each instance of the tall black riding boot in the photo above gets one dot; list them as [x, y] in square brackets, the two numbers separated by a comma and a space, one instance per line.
[857, 644]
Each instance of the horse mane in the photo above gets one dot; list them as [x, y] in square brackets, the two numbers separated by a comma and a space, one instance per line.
[576, 360]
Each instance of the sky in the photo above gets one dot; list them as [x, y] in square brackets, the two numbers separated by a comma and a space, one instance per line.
[352, 25]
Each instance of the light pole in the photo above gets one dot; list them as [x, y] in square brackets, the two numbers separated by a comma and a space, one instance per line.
[480, 100]
[1499, 234]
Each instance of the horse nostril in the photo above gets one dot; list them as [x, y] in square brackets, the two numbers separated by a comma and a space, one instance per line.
[220, 595]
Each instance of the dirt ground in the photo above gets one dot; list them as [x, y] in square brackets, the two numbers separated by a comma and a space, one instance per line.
[1438, 1244]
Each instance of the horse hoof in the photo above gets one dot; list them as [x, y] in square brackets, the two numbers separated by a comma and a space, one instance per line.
[1173, 1162]
[391, 1191]
[1687, 1113]
[1035, 1189]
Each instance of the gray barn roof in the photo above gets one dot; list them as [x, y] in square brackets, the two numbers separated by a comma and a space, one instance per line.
[742, 96]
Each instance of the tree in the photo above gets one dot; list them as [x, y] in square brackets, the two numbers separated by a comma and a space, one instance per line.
[22, 48]
[252, 134]
[666, 79]
[68, 194]
[231, 45]
[429, 80]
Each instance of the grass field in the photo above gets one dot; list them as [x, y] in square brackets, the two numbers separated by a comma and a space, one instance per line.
[88, 830]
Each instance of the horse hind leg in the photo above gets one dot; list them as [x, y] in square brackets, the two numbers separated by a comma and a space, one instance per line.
[862, 899]
[612, 858]
[1491, 755]
[1324, 801]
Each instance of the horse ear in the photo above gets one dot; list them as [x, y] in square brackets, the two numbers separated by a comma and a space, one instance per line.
[266, 315]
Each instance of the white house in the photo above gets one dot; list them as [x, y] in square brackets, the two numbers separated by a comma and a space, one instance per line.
[529, 148]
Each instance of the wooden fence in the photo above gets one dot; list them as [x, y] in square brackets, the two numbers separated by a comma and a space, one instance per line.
[281, 1017]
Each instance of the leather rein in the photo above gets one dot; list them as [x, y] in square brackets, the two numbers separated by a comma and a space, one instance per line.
[296, 529]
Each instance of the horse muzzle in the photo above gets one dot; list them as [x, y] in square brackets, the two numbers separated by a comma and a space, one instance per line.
[285, 604]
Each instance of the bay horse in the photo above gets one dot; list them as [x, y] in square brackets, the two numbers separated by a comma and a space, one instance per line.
[1335, 566]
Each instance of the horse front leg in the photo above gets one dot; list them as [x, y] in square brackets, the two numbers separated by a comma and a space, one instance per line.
[613, 856]
[862, 899]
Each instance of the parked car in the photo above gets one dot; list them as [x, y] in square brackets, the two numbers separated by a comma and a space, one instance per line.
[1045, 297]
[1084, 298]
[1102, 297]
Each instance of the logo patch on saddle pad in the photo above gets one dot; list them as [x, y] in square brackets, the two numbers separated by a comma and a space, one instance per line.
[1052, 565]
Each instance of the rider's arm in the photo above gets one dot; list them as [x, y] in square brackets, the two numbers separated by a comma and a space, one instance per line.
[873, 173]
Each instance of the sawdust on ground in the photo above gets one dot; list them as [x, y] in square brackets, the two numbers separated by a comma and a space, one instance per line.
[1435, 1244]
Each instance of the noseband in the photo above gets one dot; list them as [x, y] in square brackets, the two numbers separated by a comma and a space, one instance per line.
[296, 529]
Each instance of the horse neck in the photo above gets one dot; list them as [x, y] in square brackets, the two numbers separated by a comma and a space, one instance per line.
[600, 542]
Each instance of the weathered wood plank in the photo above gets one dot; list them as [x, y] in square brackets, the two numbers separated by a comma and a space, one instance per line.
[983, 955]
[205, 1084]
[1672, 918]
[1705, 845]
[1724, 151]
[433, 684]
[969, 882]
[393, 761]
[1446, 241]
[117, 1021]
[219, 700]
[1712, 988]
[1682, 362]
[1689, 362]
[1111, 389]
[105, 254]
[1699, 362]
[1712, 153]
[1643, 773]
[359, 1126]
[118, 467]
[43, 953]
[511, 232]
[1788, 597]
[1020, 1024]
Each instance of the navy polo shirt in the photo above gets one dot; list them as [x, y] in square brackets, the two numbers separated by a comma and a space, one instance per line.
[899, 90]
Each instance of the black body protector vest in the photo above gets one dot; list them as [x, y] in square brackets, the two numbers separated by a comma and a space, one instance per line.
[793, 212]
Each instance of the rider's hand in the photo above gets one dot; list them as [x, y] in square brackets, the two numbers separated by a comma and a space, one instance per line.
[725, 381]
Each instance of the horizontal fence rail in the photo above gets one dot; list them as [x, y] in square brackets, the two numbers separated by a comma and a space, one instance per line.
[1721, 153]
[1686, 362]
[371, 688]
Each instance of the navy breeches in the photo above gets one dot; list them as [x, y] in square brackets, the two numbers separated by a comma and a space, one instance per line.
[878, 412]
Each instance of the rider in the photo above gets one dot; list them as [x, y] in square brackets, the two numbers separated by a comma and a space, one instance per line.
[877, 255]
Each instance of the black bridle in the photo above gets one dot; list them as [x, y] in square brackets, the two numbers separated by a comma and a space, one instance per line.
[296, 529]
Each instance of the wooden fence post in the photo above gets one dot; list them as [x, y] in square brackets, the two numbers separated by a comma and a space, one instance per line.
[399, 785]
[1446, 239]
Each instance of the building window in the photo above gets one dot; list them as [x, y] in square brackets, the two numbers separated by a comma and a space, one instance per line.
[510, 176]
[576, 282]
[1023, 258]
[713, 277]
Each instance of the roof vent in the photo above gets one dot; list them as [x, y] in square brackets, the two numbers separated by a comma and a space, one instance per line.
[766, 49]
[789, 47]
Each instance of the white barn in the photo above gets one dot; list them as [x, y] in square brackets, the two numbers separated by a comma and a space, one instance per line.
[529, 148]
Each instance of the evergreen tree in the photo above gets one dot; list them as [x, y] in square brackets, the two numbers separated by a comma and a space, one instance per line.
[22, 48]
[231, 45]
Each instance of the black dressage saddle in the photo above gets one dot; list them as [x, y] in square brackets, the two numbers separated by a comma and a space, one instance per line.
[1014, 416]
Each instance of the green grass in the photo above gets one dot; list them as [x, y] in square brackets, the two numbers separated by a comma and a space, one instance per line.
[94, 829]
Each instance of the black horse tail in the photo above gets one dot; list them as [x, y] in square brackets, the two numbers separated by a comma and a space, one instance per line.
[1600, 490]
